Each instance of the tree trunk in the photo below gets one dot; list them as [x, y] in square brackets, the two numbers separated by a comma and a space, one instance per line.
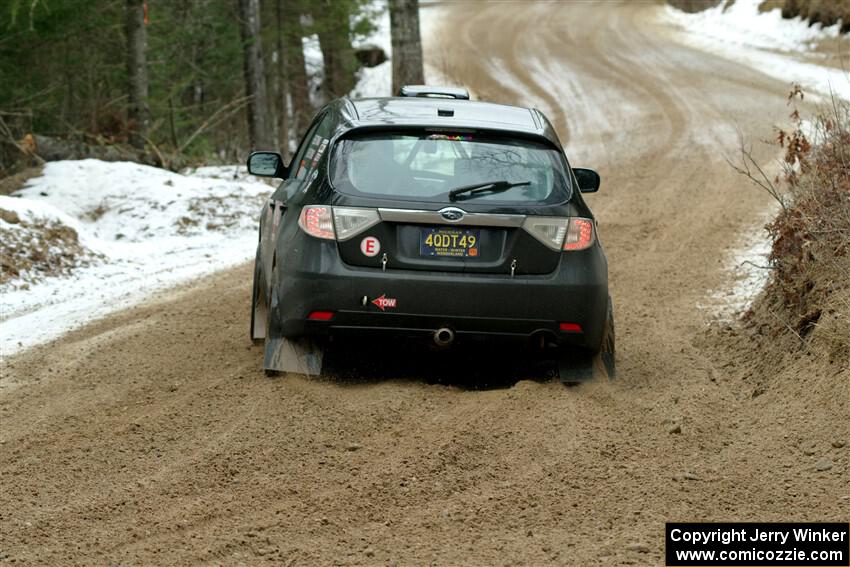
[279, 90]
[296, 77]
[406, 44]
[138, 114]
[260, 122]
[337, 52]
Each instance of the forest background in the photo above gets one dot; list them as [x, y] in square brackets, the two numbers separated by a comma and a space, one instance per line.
[177, 82]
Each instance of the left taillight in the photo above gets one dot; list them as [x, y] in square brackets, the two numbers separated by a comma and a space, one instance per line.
[336, 223]
[317, 220]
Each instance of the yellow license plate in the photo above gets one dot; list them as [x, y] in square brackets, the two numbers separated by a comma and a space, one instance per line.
[449, 242]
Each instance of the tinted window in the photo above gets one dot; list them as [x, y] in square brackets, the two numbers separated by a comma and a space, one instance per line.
[312, 148]
[426, 166]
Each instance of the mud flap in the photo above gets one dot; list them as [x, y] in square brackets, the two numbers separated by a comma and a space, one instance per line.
[259, 314]
[302, 356]
[259, 308]
[576, 370]
[578, 366]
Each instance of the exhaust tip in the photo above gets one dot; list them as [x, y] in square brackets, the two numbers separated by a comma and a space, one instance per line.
[444, 336]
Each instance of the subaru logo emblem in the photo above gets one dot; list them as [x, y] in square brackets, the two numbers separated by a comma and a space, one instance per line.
[452, 214]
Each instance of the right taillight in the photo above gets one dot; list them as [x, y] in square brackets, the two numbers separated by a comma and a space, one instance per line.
[579, 234]
[548, 230]
[317, 220]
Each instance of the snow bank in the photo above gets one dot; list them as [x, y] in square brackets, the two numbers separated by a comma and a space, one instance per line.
[139, 229]
[742, 24]
[764, 41]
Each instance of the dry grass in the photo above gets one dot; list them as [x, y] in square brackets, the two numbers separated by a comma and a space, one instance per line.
[33, 250]
[768, 5]
[692, 6]
[809, 292]
[12, 183]
[826, 12]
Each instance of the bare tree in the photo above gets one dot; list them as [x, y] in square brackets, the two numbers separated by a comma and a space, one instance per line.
[138, 113]
[260, 122]
[406, 44]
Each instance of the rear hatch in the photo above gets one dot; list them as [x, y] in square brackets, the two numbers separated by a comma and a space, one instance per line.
[450, 201]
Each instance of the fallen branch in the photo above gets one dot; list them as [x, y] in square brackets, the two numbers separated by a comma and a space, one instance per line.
[7, 133]
[222, 113]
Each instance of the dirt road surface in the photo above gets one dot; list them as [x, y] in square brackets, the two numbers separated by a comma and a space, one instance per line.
[152, 437]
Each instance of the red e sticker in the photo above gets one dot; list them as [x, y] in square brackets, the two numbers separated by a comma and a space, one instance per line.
[370, 246]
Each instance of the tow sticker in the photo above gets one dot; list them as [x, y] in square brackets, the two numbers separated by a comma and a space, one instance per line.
[370, 246]
[384, 302]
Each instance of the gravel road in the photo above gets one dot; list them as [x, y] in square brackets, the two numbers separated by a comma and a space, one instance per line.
[152, 436]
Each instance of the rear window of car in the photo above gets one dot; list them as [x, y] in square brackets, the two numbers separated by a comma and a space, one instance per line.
[425, 166]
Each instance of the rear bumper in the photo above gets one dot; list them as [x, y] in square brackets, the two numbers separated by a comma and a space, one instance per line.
[312, 277]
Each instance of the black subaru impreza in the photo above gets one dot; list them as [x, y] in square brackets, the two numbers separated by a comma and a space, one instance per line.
[432, 217]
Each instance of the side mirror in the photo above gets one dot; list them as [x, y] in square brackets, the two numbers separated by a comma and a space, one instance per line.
[267, 164]
[588, 180]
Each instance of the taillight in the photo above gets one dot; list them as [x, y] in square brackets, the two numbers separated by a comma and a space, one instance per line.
[350, 221]
[548, 230]
[320, 315]
[336, 223]
[559, 233]
[317, 221]
[579, 234]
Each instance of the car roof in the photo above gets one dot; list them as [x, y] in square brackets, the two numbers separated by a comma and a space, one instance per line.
[443, 113]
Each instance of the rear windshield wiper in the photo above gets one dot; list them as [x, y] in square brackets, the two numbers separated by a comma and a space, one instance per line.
[486, 187]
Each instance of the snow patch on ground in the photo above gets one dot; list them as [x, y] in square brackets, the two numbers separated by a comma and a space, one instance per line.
[748, 269]
[140, 229]
[762, 40]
